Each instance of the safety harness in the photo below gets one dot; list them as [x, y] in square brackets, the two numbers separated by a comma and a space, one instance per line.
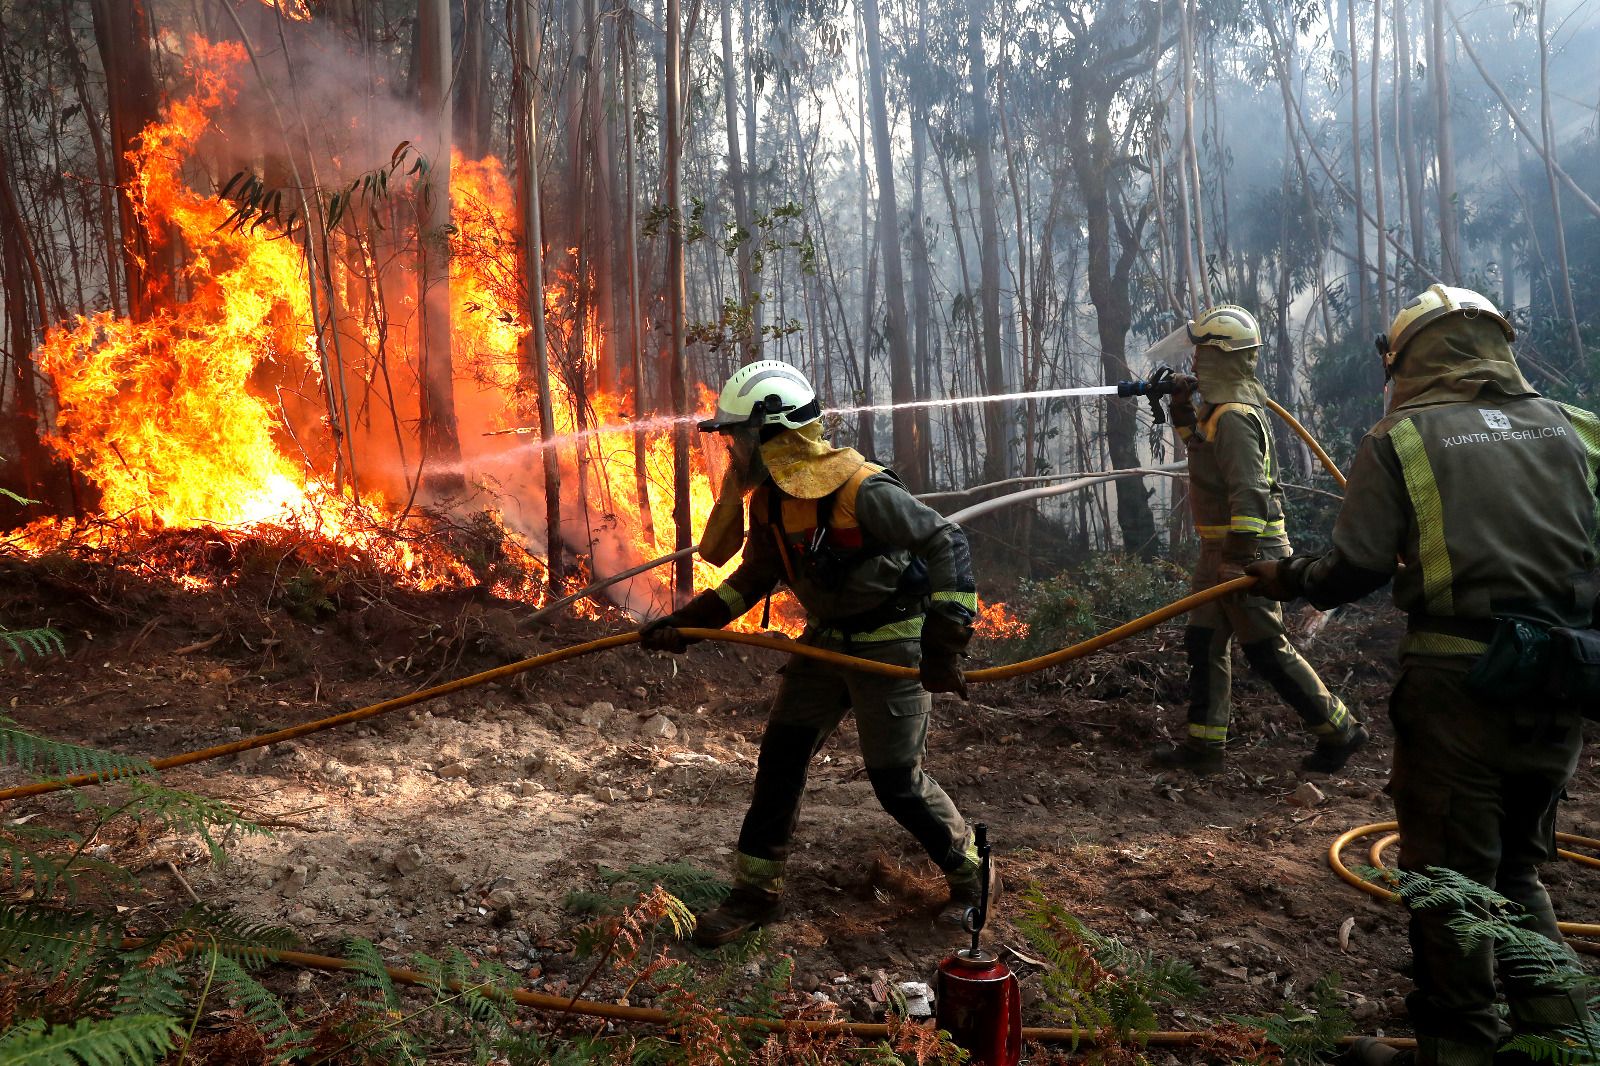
[826, 563]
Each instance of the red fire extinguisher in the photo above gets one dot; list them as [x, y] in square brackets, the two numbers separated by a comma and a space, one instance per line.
[979, 1000]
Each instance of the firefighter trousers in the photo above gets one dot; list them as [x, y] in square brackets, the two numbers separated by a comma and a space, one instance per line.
[1475, 787]
[892, 721]
[1257, 624]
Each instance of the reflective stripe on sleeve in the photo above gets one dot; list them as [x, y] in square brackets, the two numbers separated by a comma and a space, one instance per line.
[905, 629]
[1437, 574]
[1587, 427]
[1243, 523]
[733, 598]
[1424, 643]
[969, 600]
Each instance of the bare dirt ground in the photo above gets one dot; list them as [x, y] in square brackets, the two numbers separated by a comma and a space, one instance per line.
[468, 821]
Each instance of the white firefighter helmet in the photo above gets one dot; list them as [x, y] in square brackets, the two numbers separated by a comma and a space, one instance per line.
[765, 393]
[1227, 326]
[1432, 304]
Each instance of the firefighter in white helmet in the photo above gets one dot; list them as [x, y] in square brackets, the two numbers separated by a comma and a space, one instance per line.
[1237, 506]
[881, 576]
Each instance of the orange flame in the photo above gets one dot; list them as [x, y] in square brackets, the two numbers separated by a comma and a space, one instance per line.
[996, 621]
[294, 10]
[198, 416]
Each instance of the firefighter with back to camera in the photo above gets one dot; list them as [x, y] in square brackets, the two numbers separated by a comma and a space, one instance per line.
[1481, 500]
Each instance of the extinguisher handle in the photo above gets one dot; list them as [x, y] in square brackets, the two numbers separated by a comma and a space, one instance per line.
[977, 917]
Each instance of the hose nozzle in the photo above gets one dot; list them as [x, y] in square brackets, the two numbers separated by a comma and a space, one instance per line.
[1152, 388]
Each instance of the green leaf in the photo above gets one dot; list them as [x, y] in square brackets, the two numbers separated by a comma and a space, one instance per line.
[34, 753]
[131, 1040]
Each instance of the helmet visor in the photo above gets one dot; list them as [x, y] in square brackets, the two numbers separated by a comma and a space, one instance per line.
[1170, 350]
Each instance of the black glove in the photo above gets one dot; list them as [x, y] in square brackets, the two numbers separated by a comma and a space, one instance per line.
[943, 674]
[1276, 579]
[944, 643]
[1238, 552]
[1181, 402]
[663, 634]
[705, 611]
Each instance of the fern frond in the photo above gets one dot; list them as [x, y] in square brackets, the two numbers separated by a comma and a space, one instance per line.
[244, 941]
[1096, 982]
[56, 758]
[1568, 1046]
[699, 889]
[131, 1040]
[53, 944]
[42, 642]
[187, 812]
[1309, 1036]
[261, 1008]
[1439, 886]
[371, 975]
[151, 990]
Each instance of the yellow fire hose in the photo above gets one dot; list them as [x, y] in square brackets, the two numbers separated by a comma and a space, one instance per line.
[1311, 442]
[756, 640]
[1390, 836]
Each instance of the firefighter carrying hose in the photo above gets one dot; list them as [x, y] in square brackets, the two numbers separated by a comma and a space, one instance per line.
[881, 576]
[1237, 506]
[1489, 495]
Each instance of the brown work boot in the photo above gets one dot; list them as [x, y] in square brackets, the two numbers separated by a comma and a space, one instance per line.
[745, 910]
[1329, 756]
[1198, 757]
[966, 892]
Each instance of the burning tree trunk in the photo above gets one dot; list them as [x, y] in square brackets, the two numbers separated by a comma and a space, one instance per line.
[16, 273]
[641, 471]
[110, 234]
[535, 348]
[474, 109]
[672, 159]
[441, 446]
[122, 30]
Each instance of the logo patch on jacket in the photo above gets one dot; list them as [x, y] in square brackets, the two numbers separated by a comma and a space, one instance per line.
[1494, 419]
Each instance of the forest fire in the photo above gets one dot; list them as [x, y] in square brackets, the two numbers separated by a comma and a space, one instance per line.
[996, 621]
[206, 414]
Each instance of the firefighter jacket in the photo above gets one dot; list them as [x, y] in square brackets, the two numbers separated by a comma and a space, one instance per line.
[868, 562]
[1478, 495]
[1233, 482]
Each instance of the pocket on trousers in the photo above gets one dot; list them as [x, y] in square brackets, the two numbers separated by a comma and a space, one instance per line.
[910, 705]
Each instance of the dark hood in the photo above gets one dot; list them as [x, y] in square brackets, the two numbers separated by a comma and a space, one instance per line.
[1457, 359]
